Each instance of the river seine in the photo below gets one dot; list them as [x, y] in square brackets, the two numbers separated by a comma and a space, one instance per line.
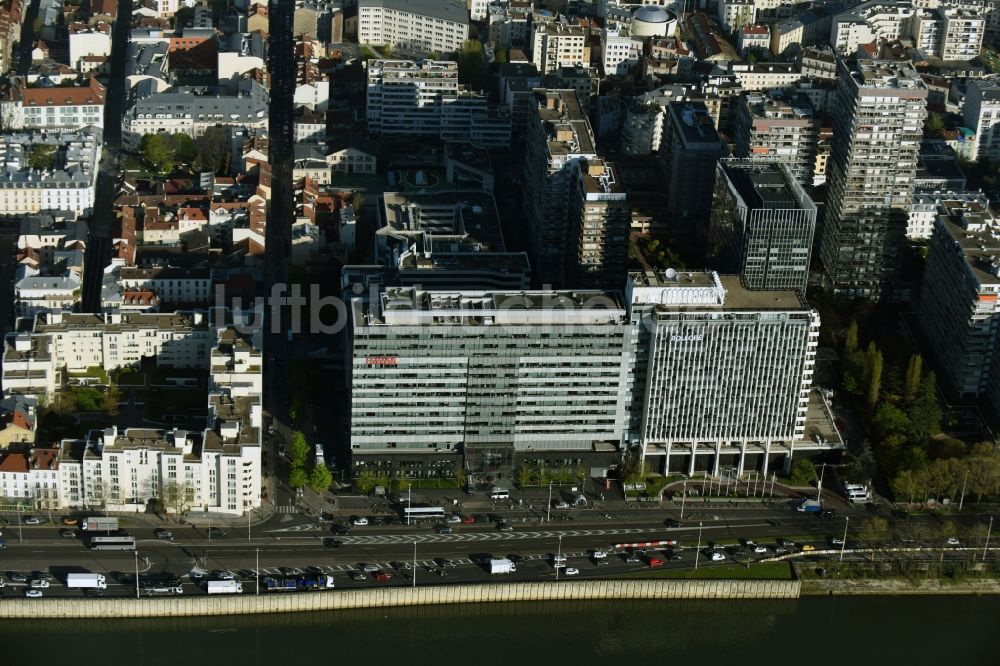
[839, 631]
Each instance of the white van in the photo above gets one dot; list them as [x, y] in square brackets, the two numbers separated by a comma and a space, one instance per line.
[499, 494]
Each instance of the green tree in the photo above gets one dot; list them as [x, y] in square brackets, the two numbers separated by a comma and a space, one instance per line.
[366, 482]
[213, 147]
[155, 149]
[298, 451]
[889, 419]
[911, 383]
[320, 478]
[183, 148]
[42, 156]
[297, 477]
[109, 401]
[906, 485]
[630, 469]
[875, 380]
[874, 532]
[851, 338]
[803, 472]
[925, 412]
[501, 56]
[934, 123]
[525, 475]
[858, 467]
[471, 65]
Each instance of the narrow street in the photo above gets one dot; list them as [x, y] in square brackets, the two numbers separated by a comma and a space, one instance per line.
[99, 244]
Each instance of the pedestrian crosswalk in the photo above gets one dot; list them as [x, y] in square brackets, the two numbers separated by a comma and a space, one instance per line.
[472, 537]
[286, 508]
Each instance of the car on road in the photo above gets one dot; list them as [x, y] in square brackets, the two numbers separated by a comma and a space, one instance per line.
[759, 550]
[780, 550]
[455, 519]
[748, 543]
[561, 504]
[400, 566]
[93, 592]
[631, 558]
[571, 571]
[505, 527]
[368, 568]
[16, 577]
[216, 533]
[382, 576]
[165, 535]
[836, 541]
[807, 547]
[69, 520]
[358, 577]
[31, 520]
[602, 563]
[445, 529]
[330, 542]
[291, 571]
[828, 513]
[340, 530]
[654, 562]
[715, 555]
[739, 553]
[953, 541]
[33, 594]
[359, 521]
[673, 524]
[599, 555]
[39, 584]
[67, 534]
[226, 575]
[468, 520]
[786, 543]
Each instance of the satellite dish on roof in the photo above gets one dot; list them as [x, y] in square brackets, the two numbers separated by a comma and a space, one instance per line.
[670, 274]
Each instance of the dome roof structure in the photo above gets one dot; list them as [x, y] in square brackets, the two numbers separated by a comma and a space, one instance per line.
[651, 14]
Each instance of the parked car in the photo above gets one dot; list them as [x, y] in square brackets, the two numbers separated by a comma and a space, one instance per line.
[216, 532]
[468, 520]
[445, 529]
[16, 577]
[571, 571]
[31, 520]
[836, 541]
[673, 524]
[599, 555]
[953, 541]
[69, 520]
[39, 584]
[505, 527]
[368, 568]
[67, 534]
[359, 521]
[382, 576]
[455, 519]
[715, 555]
[33, 594]
[358, 577]
[807, 547]
[165, 535]
[561, 504]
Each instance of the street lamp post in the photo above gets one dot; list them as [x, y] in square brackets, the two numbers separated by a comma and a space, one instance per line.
[136, 554]
[684, 494]
[961, 500]
[257, 569]
[20, 521]
[843, 542]
[414, 563]
[989, 530]
[548, 505]
[819, 486]
[698, 549]
[409, 500]
[559, 557]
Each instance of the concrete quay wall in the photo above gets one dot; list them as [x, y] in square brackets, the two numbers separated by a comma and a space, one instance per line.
[248, 604]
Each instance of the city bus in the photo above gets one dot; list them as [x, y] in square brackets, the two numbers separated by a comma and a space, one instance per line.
[419, 513]
[112, 543]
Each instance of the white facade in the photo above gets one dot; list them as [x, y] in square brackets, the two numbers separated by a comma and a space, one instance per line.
[981, 112]
[88, 41]
[414, 27]
[556, 45]
[68, 185]
[621, 52]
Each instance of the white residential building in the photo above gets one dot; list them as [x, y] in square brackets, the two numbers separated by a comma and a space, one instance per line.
[424, 99]
[981, 112]
[76, 342]
[414, 27]
[63, 176]
[556, 44]
[88, 40]
[621, 51]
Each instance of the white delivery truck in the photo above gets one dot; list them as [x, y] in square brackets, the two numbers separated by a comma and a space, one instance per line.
[224, 587]
[501, 565]
[85, 580]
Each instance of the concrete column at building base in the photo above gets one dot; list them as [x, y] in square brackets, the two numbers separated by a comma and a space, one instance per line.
[743, 453]
[694, 453]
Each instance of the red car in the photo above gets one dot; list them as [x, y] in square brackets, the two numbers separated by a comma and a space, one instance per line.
[382, 576]
[468, 520]
[655, 562]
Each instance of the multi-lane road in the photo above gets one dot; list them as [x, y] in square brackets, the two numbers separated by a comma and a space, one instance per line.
[294, 544]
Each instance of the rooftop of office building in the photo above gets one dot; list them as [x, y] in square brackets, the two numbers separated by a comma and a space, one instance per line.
[694, 123]
[446, 217]
[673, 291]
[887, 75]
[446, 10]
[765, 185]
[976, 231]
